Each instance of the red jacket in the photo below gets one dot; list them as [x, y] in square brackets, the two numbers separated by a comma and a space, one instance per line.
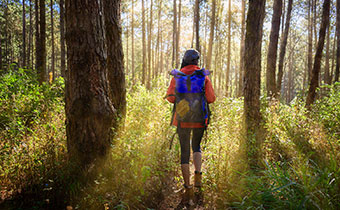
[209, 94]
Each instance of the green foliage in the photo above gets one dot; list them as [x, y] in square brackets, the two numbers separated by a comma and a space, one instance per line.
[32, 130]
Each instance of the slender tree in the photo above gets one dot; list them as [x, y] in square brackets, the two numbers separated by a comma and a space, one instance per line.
[62, 39]
[174, 33]
[318, 54]
[197, 24]
[252, 66]
[178, 34]
[337, 67]
[30, 39]
[310, 42]
[41, 50]
[327, 72]
[149, 46]
[23, 33]
[272, 49]
[211, 37]
[37, 34]
[283, 47]
[52, 41]
[144, 43]
[229, 50]
[133, 41]
[241, 72]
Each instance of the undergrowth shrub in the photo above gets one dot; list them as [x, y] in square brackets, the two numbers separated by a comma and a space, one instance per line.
[32, 131]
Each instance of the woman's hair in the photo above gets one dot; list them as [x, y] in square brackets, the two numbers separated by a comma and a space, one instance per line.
[190, 57]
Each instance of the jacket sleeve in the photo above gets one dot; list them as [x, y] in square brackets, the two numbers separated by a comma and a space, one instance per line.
[171, 91]
[209, 91]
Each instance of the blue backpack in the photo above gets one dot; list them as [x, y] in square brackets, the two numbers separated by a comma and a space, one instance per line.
[191, 104]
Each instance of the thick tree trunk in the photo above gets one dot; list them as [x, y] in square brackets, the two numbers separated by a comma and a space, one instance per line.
[197, 24]
[252, 77]
[211, 37]
[89, 111]
[144, 44]
[115, 62]
[41, 51]
[52, 42]
[337, 67]
[272, 49]
[318, 55]
[62, 39]
[283, 47]
[23, 33]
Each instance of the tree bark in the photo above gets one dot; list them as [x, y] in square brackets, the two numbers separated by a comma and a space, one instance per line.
[197, 24]
[283, 47]
[174, 38]
[310, 42]
[241, 72]
[229, 50]
[252, 77]
[30, 39]
[178, 34]
[37, 35]
[149, 48]
[115, 62]
[89, 111]
[144, 44]
[41, 51]
[52, 43]
[133, 42]
[318, 55]
[23, 34]
[62, 39]
[337, 67]
[327, 74]
[272, 49]
[211, 37]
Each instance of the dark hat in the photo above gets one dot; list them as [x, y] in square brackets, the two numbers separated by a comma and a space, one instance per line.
[190, 58]
[191, 55]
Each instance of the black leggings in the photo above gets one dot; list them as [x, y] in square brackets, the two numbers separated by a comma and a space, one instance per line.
[184, 139]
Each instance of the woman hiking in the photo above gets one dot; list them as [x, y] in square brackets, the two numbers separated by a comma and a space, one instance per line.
[191, 91]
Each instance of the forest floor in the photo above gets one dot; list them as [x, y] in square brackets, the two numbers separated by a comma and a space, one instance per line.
[174, 191]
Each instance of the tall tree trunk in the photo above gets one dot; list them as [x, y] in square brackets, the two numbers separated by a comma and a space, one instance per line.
[174, 38]
[115, 61]
[241, 72]
[272, 49]
[211, 37]
[30, 39]
[89, 112]
[158, 38]
[283, 47]
[37, 34]
[149, 47]
[52, 44]
[144, 44]
[229, 50]
[133, 41]
[178, 34]
[327, 74]
[197, 24]
[127, 47]
[41, 49]
[252, 80]
[337, 67]
[333, 62]
[23, 33]
[318, 55]
[62, 39]
[310, 42]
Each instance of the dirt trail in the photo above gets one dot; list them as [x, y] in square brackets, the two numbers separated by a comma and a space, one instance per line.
[173, 195]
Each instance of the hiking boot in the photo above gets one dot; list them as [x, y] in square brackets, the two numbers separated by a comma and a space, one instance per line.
[187, 194]
[198, 179]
